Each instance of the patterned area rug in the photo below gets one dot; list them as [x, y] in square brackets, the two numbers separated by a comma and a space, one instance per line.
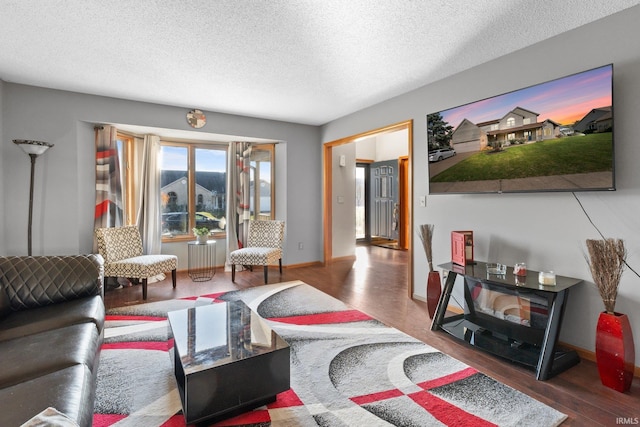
[347, 369]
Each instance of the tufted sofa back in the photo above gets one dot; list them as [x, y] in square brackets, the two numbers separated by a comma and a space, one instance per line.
[36, 281]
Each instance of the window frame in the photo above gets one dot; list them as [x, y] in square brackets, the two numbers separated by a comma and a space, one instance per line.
[256, 188]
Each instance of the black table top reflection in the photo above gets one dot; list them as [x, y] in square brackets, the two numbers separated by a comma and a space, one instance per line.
[213, 335]
[479, 271]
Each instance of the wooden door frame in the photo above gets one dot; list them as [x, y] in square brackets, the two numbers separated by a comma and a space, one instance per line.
[408, 190]
[404, 196]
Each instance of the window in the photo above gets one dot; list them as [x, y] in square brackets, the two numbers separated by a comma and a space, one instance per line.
[261, 201]
[511, 122]
[526, 121]
[511, 136]
[193, 185]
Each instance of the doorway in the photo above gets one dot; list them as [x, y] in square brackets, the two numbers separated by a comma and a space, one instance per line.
[340, 162]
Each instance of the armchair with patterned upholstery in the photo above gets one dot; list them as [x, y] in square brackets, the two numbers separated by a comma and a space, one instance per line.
[121, 248]
[264, 247]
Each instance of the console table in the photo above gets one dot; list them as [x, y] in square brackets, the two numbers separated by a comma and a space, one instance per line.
[526, 331]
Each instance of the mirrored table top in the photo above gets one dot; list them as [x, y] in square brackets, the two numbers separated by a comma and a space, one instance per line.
[217, 334]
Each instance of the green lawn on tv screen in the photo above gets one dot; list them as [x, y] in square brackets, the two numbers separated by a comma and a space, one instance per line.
[561, 156]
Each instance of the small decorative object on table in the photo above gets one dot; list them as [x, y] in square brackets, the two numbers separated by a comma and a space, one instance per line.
[547, 278]
[520, 269]
[202, 234]
[496, 268]
[462, 247]
[434, 286]
[615, 351]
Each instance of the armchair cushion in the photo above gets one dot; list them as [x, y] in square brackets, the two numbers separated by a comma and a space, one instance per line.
[255, 256]
[141, 267]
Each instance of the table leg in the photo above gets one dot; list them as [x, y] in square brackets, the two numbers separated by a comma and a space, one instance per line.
[444, 301]
[547, 351]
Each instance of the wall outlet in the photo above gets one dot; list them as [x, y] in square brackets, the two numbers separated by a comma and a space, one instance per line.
[423, 201]
[300, 246]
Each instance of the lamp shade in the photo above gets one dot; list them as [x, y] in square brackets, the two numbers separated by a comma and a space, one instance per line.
[33, 147]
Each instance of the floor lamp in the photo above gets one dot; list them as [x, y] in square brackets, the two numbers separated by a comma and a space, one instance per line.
[33, 149]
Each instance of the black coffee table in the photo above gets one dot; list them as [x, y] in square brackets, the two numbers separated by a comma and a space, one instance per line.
[227, 361]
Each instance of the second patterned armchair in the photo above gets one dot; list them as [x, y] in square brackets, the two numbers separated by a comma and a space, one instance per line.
[264, 247]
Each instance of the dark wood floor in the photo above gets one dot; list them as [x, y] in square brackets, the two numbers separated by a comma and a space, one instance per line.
[376, 285]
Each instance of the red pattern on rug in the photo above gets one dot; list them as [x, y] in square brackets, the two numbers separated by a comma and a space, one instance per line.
[324, 318]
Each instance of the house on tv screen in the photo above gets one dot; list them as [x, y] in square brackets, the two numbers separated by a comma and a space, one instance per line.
[518, 126]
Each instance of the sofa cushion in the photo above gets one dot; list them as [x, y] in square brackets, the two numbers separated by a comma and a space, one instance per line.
[50, 417]
[36, 355]
[5, 304]
[54, 316]
[68, 390]
[42, 280]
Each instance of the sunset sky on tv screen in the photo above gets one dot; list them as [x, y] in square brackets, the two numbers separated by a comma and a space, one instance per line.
[564, 100]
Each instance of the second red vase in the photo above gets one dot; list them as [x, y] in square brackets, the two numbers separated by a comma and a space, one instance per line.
[615, 352]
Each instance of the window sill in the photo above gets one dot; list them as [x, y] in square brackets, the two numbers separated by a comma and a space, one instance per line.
[190, 238]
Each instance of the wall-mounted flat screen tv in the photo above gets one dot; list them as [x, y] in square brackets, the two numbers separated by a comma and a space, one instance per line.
[554, 136]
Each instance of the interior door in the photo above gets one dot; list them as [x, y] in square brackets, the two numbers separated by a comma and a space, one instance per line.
[385, 210]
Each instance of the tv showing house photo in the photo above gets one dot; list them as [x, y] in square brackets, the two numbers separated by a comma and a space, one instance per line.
[553, 136]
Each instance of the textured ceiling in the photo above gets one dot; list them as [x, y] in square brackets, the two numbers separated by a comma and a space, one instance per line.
[304, 61]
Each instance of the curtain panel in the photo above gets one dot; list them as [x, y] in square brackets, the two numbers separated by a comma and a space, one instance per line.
[109, 202]
[238, 182]
[149, 205]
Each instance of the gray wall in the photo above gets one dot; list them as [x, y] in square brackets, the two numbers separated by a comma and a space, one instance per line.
[545, 230]
[65, 175]
[343, 211]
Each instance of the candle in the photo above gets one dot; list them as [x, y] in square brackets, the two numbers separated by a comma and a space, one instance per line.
[547, 278]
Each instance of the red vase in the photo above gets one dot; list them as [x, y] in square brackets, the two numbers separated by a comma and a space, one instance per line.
[434, 289]
[615, 352]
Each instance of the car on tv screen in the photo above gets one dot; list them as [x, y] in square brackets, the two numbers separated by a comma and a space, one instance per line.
[441, 154]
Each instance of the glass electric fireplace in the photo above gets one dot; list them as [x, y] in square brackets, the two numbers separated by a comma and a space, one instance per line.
[513, 317]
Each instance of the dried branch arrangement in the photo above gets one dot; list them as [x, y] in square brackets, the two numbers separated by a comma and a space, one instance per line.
[607, 261]
[426, 235]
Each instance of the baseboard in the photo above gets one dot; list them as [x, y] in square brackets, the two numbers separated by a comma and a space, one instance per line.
[419, 298]
[343, 258]
[591, 356]
[304, 264]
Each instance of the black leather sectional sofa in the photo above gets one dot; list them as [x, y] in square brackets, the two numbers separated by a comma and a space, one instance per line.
[51, 329]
